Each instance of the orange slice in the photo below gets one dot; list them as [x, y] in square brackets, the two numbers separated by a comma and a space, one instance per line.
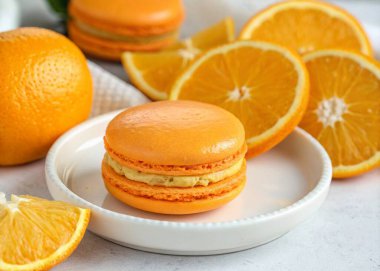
[264, 85]
[154, 73]
[344, 109]
[37, 234]
[307, 26]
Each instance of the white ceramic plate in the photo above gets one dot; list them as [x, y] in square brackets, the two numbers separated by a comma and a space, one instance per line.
[284, 187]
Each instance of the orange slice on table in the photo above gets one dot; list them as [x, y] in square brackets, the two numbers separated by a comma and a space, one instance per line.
[264, 85]
[306, 26]
[154, 73]
[37, 234]
[344, 109]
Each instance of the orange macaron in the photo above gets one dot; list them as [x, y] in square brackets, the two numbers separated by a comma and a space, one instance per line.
[175, 157]
[105, 28]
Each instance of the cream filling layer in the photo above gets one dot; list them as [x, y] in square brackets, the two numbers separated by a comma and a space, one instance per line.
[116, 37]
[172, 181]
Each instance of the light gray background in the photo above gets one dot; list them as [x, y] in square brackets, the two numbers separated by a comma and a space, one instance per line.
[344, 235]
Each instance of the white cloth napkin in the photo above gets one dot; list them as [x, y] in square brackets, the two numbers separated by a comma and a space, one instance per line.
[111, 93]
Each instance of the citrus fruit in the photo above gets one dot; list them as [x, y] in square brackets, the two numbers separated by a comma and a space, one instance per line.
[37, 234]
[306, 26]
[344, 109]
[154, 73]
[45, 89]
[264, 85]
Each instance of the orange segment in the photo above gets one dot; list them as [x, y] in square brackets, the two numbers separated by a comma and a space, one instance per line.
[215, 35]
[264, 85]
[344, 109]
[154, 73]
[37, 234]
[306, 26]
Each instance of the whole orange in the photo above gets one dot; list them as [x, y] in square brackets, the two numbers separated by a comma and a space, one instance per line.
[45, 89]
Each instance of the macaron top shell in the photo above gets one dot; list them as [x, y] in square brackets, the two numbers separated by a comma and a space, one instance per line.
[129, 13]
[175, 133]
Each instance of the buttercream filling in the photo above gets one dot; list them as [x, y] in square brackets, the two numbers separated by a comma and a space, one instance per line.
[117, 37]
[172, 181]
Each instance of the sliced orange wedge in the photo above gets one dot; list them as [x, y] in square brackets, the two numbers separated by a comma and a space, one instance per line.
[37, 234]
[154, 73]
[264, 85]
[344, 109]
[306, 25]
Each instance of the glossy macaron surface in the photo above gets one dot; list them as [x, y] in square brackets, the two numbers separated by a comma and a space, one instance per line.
[175, 133]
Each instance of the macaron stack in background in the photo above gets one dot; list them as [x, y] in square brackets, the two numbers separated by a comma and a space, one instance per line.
[175, 157]
[105, 29]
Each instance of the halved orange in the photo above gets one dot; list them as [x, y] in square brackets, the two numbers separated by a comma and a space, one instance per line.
[154, 73]
[344, 109]
[37, 234]
[306, 25]
[264, 85]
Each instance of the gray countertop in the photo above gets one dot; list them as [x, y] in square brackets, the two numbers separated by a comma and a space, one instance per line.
[343, 235]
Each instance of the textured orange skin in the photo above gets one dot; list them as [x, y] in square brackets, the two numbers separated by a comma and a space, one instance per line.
[175, 133]
[45, 89]
[211, 196]
[327, 5]
[343, 175]
[129, 17]
[112, 50]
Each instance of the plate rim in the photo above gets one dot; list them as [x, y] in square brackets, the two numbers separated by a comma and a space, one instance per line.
[51, 176]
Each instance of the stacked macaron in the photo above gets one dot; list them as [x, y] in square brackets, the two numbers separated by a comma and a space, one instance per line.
[106, 28]
[174, 157]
